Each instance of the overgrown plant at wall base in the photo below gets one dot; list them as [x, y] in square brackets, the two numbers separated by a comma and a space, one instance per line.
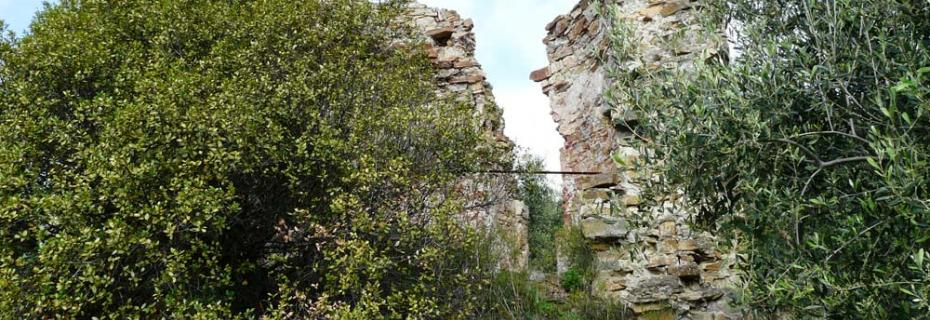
[545, 215]
[811, 145]
[580, 257]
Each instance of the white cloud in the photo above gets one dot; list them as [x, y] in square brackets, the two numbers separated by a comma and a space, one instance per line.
[528, 123]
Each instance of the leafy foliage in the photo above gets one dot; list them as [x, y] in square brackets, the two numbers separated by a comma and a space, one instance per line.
[223, 159]
[512, 295]
[572, 280]
[580, 257]
[810, 145]
[545, 214]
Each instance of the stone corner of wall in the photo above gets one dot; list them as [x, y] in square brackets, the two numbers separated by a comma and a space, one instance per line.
[657, 264]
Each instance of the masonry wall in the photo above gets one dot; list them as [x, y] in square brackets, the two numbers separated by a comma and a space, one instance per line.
[451, 45]
[647, 257]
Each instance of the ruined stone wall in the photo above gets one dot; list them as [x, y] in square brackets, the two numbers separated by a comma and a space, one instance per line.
[647, 257]
[451, 45]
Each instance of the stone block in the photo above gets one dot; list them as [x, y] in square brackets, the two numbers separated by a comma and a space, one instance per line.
[654, 311]
[551, 24]
[712, 266]
[595, 194]
[441, 35]
[580, 26]
[702, 315]
[667, 246]
[651, 289]
[425, 21]
[466, 63]
[631, 200]
[703, 294]
[688, 271]
[657, 263]
[651, 308]
[685, 257]
[594, 27]
[607, 282]
[668, 229]
[431, 51]
[648, 13]
[626, 156]
[474, 78]
[540, 75]
[688, 245]
[604, 228]
[603, 180]
[595, 210]
[450, 53]
[444, 64]
[562, 53]
[706, 244]
[614, 260]
[666, 313]
[561, 24]
[711, 276]
[561, 86]
[672, 7]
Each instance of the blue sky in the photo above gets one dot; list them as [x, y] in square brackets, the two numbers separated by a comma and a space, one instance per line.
[509, 43]
[18, 13]
[509, 35]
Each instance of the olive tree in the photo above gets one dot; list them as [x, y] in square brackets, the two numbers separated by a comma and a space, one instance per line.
[811, 145]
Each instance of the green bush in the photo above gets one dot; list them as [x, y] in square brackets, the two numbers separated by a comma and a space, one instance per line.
[225, 159]
[578, 253]
[513, 296]
[584, 306]
[572, 280]
[810, 145]
[545, 214]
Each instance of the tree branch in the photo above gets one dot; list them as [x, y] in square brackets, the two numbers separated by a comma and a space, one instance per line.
[803, 148]
[842, 161]
[820, 163]
[850, 240]
[861, 139]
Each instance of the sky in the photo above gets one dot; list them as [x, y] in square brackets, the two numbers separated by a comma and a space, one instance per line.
[509, 46]
[509, 37]
[18, 13]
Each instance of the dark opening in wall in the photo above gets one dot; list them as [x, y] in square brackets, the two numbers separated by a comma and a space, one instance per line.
[441, 35]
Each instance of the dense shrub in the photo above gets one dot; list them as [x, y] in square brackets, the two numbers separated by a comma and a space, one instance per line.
[542, 200]
[222, 159]
[580, 258]
[572, 280]
[811, 145]
[512, 295]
